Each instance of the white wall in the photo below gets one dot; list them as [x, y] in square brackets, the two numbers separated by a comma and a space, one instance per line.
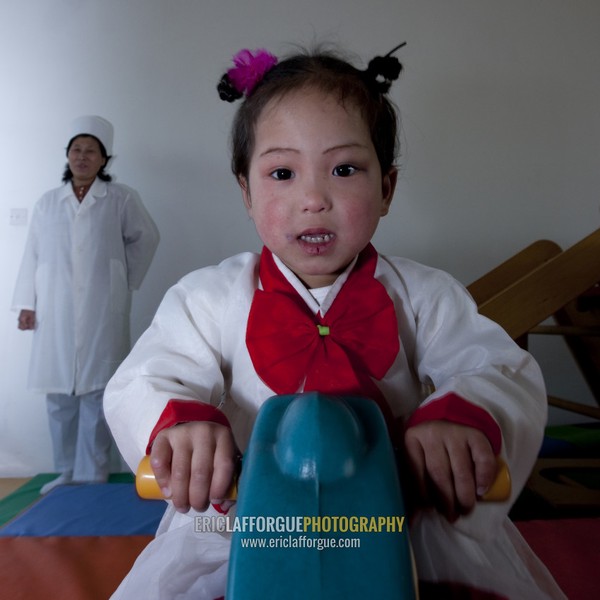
[500, 103]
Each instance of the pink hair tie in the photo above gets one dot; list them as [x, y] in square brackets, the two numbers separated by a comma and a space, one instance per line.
[250, 68]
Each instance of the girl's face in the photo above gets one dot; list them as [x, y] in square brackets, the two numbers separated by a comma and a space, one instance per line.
[315, 190]
[85, 159]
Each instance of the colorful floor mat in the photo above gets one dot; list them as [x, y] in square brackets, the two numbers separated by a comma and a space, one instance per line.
[66, 568]
[572, 441]
[78, 542]
[29, 493]
[570, 550]
[75, 543]
[87, 510]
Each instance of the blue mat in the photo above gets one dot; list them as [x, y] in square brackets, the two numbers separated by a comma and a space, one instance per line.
[88, 510]
[572, 441]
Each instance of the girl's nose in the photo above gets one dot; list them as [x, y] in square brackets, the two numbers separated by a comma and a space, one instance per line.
[316, 198]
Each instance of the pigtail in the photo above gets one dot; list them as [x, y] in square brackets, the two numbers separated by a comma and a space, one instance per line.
[383, 70]
[227, 90]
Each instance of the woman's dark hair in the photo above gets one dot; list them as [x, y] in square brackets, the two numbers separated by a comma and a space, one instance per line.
[326, 72]
[102, 175]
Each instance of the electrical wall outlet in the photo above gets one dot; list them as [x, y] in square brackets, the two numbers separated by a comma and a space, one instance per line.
[18, 216]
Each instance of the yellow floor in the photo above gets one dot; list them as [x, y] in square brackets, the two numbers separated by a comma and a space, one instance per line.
[9, 484]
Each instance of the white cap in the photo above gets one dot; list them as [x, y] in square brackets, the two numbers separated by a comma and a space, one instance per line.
[93, 125]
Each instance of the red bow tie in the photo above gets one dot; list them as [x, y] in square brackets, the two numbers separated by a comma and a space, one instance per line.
[339, 353]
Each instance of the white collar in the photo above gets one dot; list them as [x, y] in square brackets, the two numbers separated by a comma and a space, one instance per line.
[306, 295]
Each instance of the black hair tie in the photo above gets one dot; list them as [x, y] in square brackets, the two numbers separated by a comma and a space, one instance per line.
[227, 91]
[383, 70]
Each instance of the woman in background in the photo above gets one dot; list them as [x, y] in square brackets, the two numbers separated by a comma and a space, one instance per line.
[90, 244]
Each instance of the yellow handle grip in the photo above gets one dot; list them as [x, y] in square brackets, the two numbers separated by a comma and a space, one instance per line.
[502, 486]
[145, 481]
[147, 488]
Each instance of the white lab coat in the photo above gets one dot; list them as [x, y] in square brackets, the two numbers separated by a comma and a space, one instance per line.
[195, 350]
[81, 262]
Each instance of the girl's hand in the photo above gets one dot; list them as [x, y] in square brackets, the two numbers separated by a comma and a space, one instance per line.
[453, 465]
[194, 464]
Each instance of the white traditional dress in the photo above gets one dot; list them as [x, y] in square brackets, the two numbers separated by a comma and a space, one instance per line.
[196, 351]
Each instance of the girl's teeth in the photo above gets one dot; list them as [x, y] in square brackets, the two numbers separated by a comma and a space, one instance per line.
[317, 239]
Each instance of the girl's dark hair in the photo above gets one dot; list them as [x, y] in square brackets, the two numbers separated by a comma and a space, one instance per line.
[329, 73]
[102, 175]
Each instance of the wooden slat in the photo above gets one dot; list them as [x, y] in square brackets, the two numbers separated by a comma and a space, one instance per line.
[541, 293]
[576, 407]
[566, 330]
[511, 270]
[9, 484]
[565, 494]
[585, 349]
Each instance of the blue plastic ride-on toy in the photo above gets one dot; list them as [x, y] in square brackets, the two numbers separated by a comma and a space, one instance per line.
[320, 513]
[319, 488]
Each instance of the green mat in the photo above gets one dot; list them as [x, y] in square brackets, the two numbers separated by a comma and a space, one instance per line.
[29, 493]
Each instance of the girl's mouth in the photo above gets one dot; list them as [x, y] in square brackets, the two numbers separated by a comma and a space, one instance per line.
[317, 242]
[317, 238]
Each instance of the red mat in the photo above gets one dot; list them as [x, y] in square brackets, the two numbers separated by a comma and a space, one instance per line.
[91, 567]
[570, 549]
[69, 568]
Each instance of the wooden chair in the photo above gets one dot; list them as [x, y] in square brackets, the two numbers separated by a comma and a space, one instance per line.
[543, 281]
[540, 282]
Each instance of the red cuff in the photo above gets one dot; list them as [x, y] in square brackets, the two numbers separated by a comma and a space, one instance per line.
[186, 411]
[455, 409]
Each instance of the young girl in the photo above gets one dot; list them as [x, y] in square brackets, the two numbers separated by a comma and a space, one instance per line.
[314, 145]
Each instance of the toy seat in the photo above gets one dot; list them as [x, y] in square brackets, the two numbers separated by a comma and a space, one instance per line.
[327, 463]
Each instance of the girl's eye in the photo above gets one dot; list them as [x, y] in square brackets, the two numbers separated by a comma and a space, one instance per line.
[344, 170]
[282, 174]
